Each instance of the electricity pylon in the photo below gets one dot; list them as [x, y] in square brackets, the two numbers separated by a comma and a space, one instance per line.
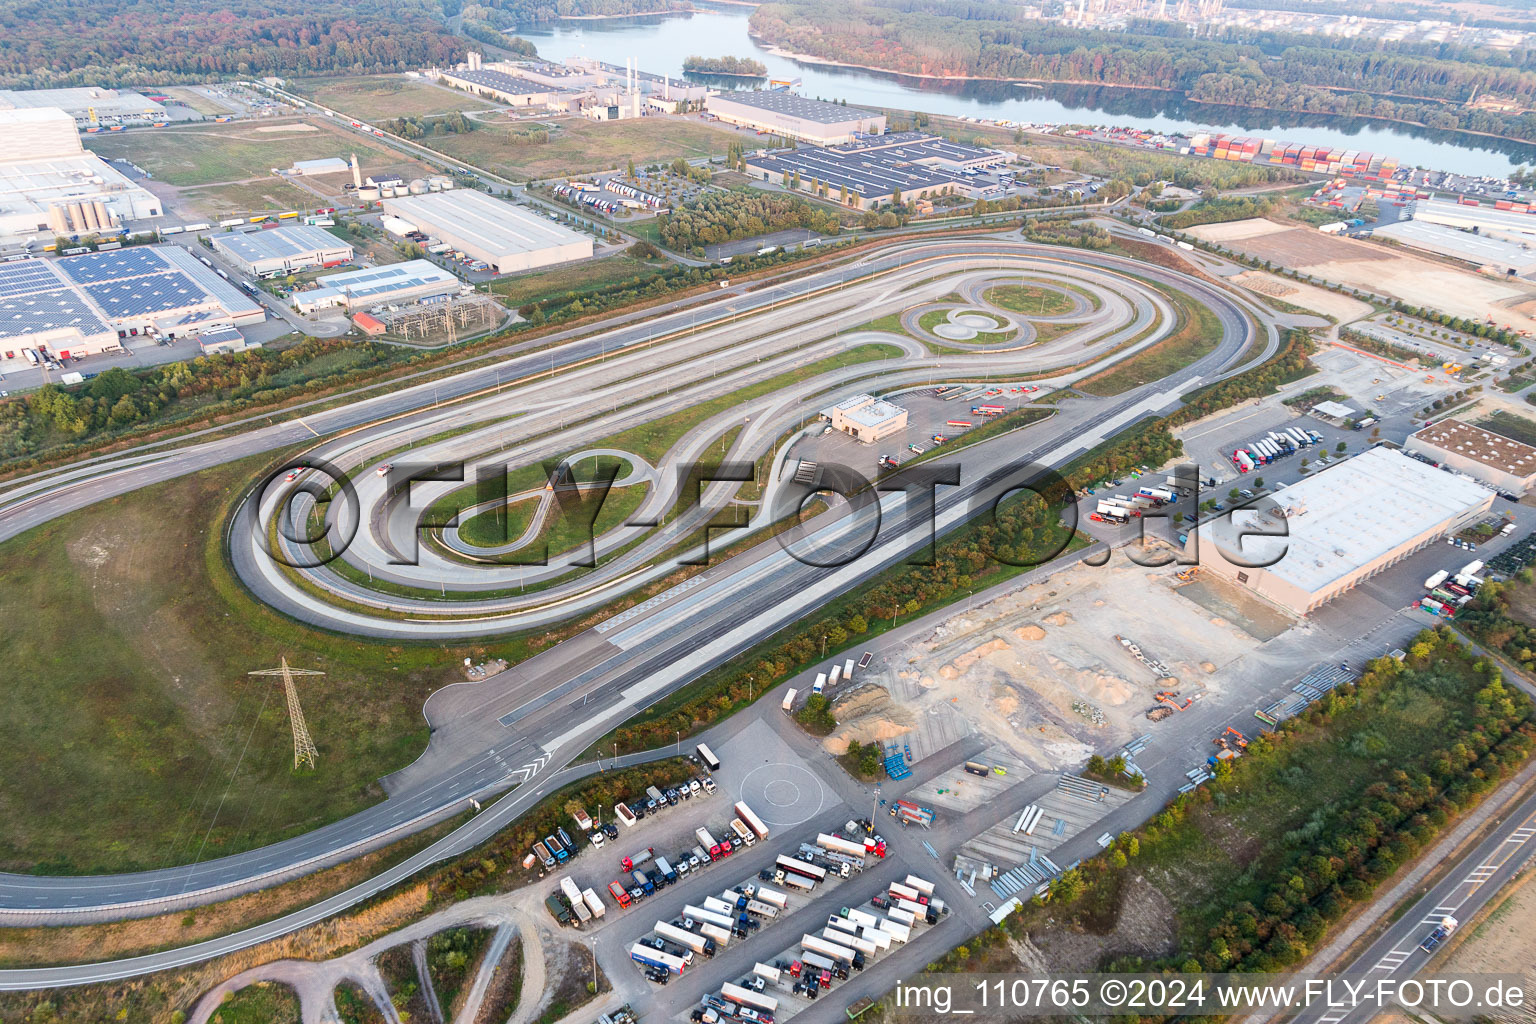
[303, 747]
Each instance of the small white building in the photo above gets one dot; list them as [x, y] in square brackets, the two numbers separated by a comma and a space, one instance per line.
[866, 418]
[327, 165]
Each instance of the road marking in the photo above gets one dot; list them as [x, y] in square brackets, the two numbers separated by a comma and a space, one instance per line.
[306, 426]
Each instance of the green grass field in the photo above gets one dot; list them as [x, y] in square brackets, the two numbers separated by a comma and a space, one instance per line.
[266, 196]
[379, 97]
[209, 154]
[1031, 299]
[262, 1003]
[1198, 334]
[1517, 428]
[581, 145]
[137, 740]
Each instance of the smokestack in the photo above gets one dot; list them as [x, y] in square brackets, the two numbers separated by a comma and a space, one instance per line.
[357, 173]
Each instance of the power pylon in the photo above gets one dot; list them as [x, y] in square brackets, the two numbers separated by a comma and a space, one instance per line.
[303, 747]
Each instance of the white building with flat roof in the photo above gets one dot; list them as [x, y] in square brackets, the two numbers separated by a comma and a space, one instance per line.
[1498, 461]
[867, 418]
[507, 237]
[49, 184]
[283, 250]
[1338, 528]
[353, 290]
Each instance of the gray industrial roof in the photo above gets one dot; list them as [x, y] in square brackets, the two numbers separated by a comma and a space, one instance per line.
[498, 80]
[1351, 514]
[279, 243]
[819, 111]
[499, 228]
[879, 165]
[1463, 245]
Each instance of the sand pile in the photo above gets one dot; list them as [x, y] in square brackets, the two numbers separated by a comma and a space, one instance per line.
[867, 715]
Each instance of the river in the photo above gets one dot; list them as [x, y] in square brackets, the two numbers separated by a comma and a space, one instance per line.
[662, 42]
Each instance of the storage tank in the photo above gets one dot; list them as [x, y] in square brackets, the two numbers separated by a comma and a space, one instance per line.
[418, 187]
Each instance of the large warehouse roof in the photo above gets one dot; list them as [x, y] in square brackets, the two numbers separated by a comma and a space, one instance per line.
[1463, 245]
[499, 228]
[79, 102]
[818, 111]
[35, 298]
[279, 243]
[1349, 515]
[498, 80]
[1493, 450]
[909, 161]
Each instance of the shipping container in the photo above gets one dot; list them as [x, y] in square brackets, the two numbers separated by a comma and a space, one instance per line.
[708, 757]
[792, 865]
[752, 820]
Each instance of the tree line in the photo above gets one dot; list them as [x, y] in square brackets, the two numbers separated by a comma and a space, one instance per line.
[744, 66]
[727, 216]
[424, 127]
[520, 11]
[162, 42]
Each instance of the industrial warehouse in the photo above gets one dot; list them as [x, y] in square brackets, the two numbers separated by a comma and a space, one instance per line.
[352, 290]
[874, 171]
[795, 117]
[499, 86]
[284, 250]
[49, 184]
[504, 236]
[1500, 462]
[1501, 241]
[595, 90]
[84, 305]
[89, 106]
[866, 418]
[1339, 527]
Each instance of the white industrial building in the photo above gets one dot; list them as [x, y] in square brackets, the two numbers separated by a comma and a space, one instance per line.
[499, 86]
[88, 106]
[1498, 461]
[795, 117]
[283, 250]
[354, 290]
[49, 184]
[1495, 255]
[506, 237]
[1338, 528]
[324, 165]
[1510, 225]
[84, 305]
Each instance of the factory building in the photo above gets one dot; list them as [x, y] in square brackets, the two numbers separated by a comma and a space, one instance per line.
[1500, 462]
[506, 237]
[354, 290]
[795, 117]
[1338, 528]
[1489, 221]
[499, 86]
[89, 106]
[84, 305]
[49, 184]
[871, 172]
[283, 250]
[866, 418]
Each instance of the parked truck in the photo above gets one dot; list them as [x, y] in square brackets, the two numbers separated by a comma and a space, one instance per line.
[795, 866]
[666, 870]
[635, 860]
[656, 795]
[841, 845]
[694, 941]
[906, 812]
[624, 814]
[743, 833]
[706, 916]
[716, 934]
[752, 820]
[557, 909]
[826, 947]
[773, 896]
[1437, 579]
[747, 997]
[657, 958]
[594, 902]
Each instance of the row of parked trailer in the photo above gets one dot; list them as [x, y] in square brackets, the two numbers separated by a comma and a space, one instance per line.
[851, 939]
[1122, 508]
[581, 197]
[1275, 445]
[646, 199]
[1448, 591]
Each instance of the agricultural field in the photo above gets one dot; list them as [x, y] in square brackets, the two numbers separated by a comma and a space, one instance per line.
[378, 97]
[222, 153]
[580, 146]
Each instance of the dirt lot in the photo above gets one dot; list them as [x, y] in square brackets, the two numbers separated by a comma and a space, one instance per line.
[1363, 265]
[1039, 672]
[1319, 300]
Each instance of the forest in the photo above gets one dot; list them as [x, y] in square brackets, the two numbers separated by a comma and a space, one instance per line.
[988, 40]
[548, 10]
[725, 216]
[62, 43]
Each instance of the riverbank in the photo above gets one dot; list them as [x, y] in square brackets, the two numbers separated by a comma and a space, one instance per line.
[1043, 83]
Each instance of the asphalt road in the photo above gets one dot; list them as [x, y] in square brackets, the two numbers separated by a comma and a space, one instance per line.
[604, 675]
